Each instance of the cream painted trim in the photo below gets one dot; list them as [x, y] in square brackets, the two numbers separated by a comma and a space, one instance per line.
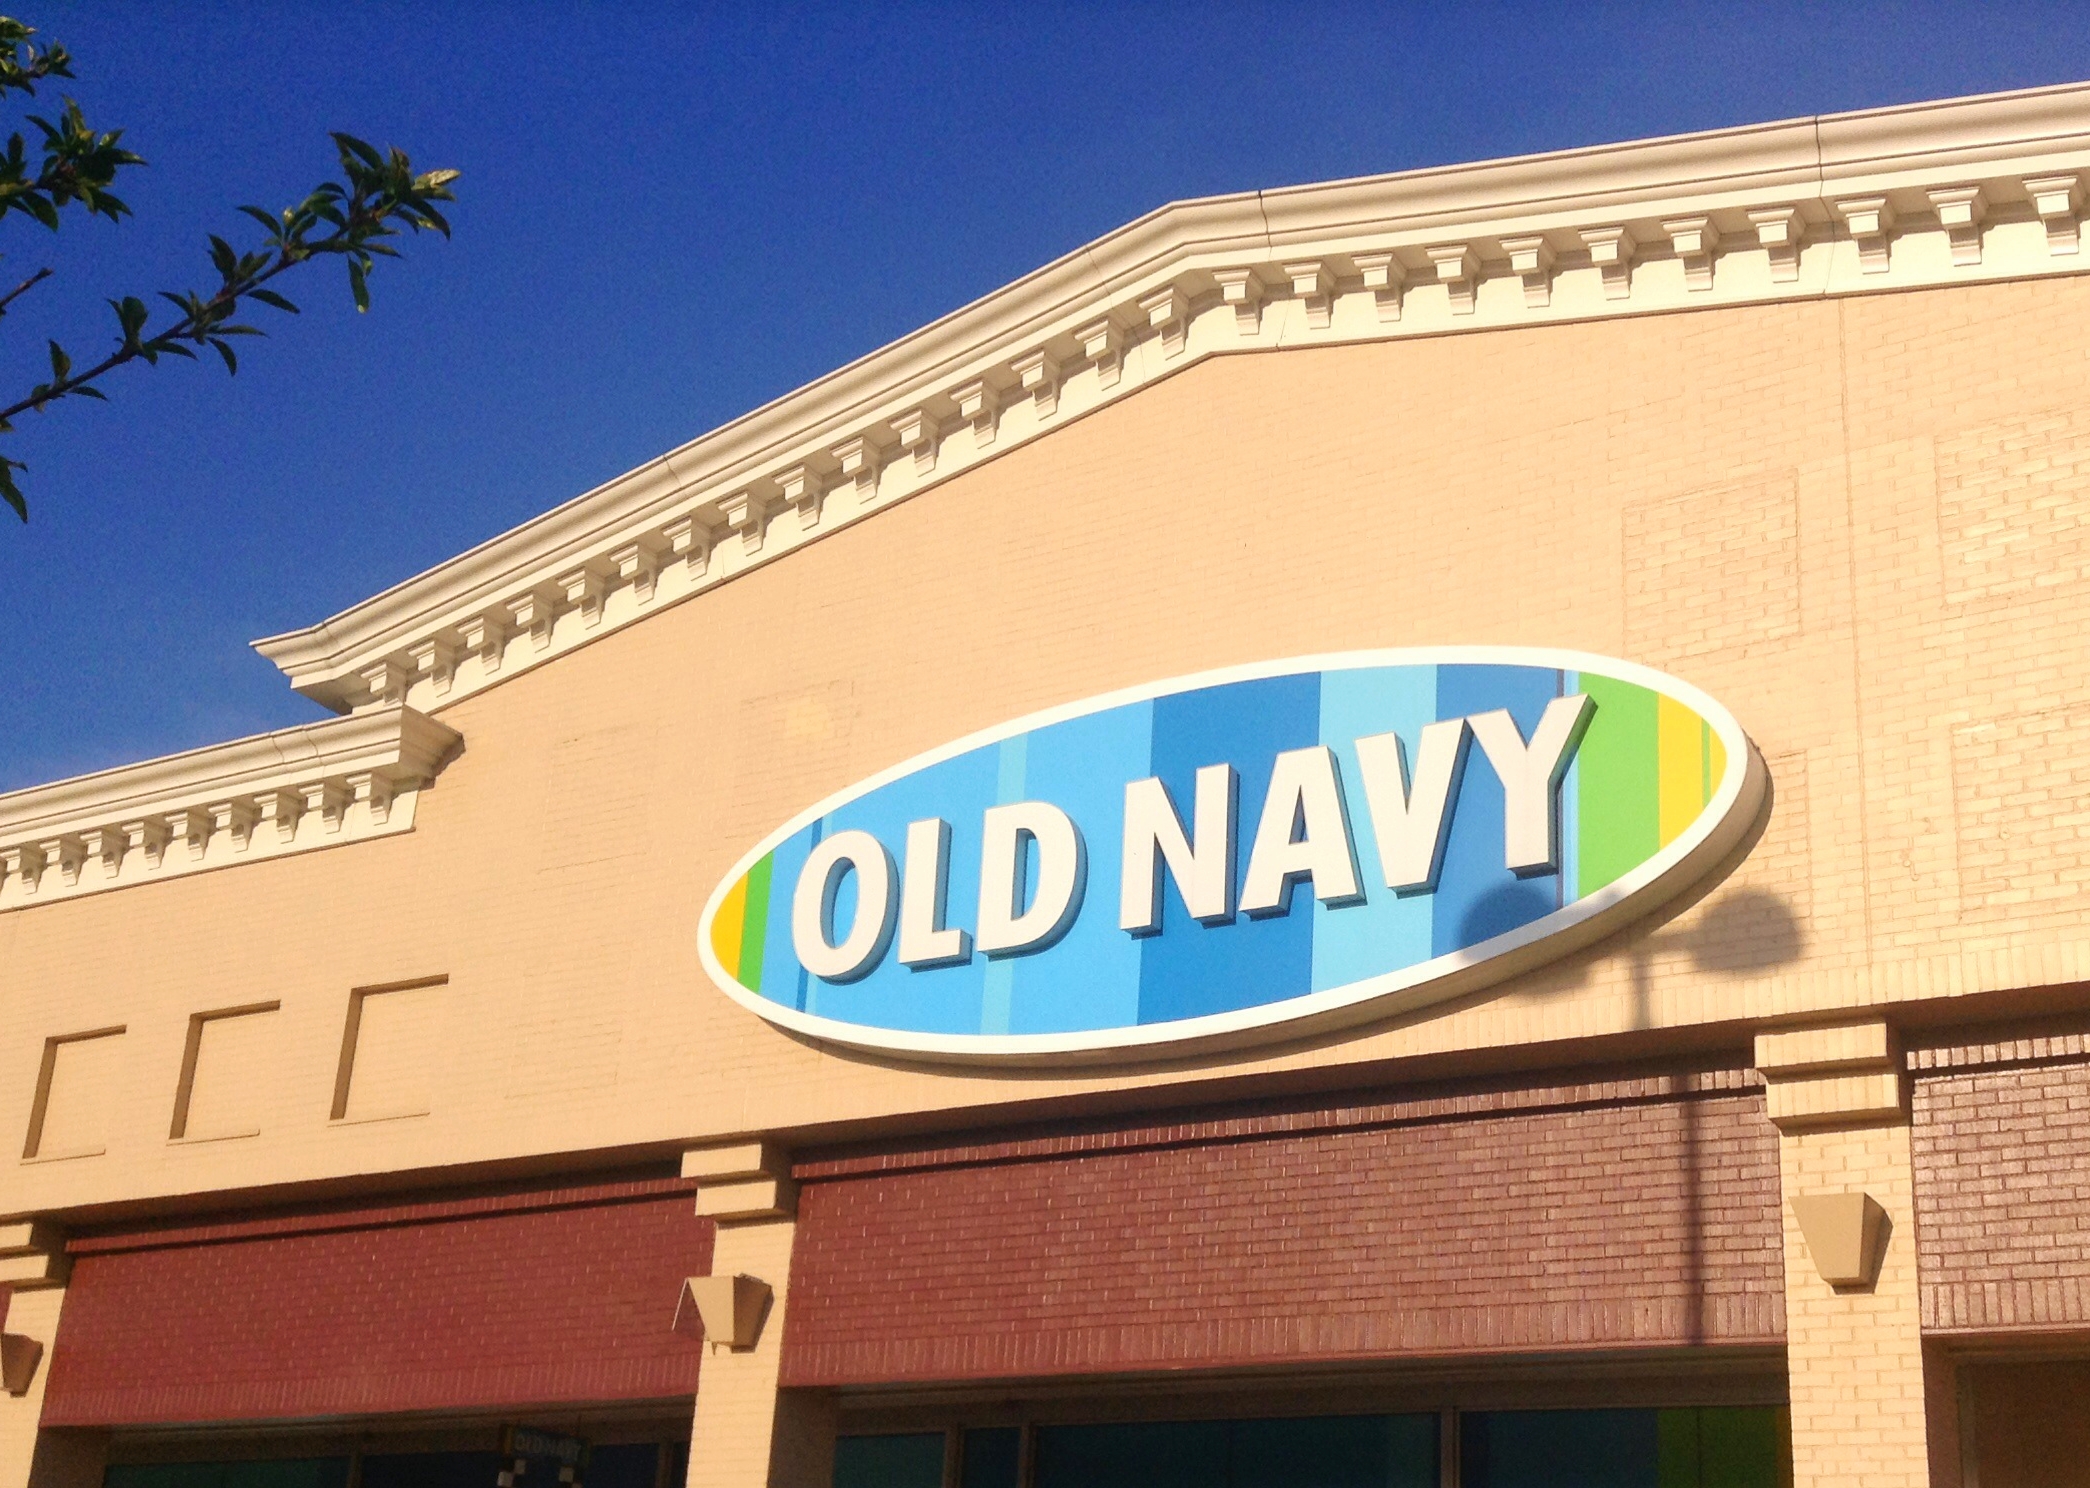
[1892, 199]
[316, 785]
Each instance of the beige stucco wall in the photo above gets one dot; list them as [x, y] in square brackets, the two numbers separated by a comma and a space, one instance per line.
[1859, 523]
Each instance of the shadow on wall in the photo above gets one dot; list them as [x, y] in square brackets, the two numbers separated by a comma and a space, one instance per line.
[1743, 932]
[1746, 931]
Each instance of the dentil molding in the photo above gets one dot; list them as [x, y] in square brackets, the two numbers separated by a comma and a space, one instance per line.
[1957, 192]
[295, 790]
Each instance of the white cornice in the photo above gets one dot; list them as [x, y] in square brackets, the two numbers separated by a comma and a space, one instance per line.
[317, 785]
[1892, 199]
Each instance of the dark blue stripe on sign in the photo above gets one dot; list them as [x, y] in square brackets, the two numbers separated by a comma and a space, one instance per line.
[1477, 897]
[1222, 968]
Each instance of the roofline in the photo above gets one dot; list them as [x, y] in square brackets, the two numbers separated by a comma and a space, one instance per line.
[1805, 157]
[314, 785]
[1952, 192]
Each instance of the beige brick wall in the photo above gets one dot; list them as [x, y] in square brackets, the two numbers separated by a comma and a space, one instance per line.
[1854, 1356]
[1782, 503]
[746, 1431]
[55, 1462]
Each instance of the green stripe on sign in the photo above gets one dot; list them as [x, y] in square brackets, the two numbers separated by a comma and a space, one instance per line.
[756, 925]
[1619, 820]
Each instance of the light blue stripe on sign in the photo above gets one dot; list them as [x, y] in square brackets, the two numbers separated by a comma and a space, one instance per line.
[1090, 979]
[1355, 941]
[944, 999]
[999, 975]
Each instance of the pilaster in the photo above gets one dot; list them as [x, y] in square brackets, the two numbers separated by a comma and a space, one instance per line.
[32, 1292]
[1854, 1349]
[748, 1433]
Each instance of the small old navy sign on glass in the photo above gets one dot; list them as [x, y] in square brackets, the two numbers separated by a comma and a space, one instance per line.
[1260, 852]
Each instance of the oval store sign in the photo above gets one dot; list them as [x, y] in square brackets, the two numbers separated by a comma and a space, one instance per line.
[1309, 843]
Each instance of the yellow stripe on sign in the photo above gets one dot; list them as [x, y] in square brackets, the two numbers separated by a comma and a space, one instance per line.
[1679, 766]
[727, 927]
[1716, 761]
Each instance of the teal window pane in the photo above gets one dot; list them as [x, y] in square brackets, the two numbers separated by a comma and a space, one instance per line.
[1560, 1449]
[289, 1472]
[1142, 1454]
[1306, 1452]
[1336, 1452]
[304, 1472]
[992, 1457]
[626, 1465]
[165, 1475]
[432, 1469]
[912, 1461]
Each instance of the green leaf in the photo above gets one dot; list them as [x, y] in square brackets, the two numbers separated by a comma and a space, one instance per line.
[61, 364]
[225, 351]
[357, 285]
[270, 297]
[131, 316]
[9, 491]
[348, 143]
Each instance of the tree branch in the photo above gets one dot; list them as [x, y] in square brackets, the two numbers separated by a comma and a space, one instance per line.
[23, 288]
[352, 221]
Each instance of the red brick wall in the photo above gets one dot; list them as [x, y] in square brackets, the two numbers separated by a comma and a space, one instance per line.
[552, 1297]
[2001, 1144]
[1607, 1215]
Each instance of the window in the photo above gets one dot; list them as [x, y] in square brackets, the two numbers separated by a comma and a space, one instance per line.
[1306, 1452]
[992, 1457]
[1692, 1447]
[1303, 1452]
[1725, 1447]
[300, 1472]
[912, 1461]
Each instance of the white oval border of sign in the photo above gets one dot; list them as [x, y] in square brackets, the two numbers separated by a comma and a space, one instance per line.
[1719, 828]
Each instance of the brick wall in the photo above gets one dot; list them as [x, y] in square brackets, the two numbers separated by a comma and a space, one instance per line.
[2002, 1156]
[562, 1296]
[1613, 1214]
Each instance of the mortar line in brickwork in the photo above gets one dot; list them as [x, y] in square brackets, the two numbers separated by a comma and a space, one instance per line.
[335, 1220]
[1172, 1136]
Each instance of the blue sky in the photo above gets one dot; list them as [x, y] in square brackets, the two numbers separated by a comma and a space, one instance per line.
[673, 213]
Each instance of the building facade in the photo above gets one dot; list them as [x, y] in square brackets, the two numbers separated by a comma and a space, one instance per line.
[626, 1042]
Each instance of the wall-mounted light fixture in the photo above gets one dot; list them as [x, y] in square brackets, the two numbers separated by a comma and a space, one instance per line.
[19, 1355]
[1846, 1235]
[731, 1308]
